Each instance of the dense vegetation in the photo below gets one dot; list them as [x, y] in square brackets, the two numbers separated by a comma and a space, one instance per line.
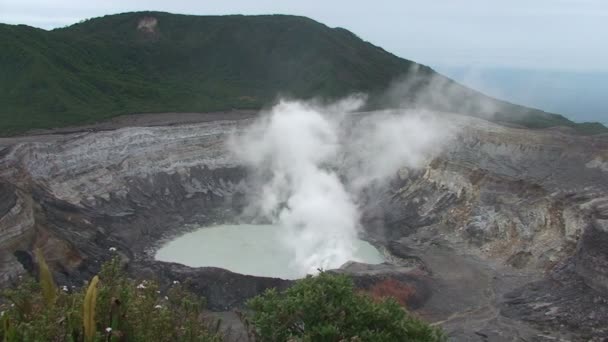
[113, 307]
[328, 308]
[107, 66]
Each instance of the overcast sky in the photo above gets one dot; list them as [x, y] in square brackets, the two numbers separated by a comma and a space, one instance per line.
[537, 34]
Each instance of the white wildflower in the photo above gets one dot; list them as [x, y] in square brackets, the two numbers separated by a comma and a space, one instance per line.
[158, 307]
[141, 286]
[108, 330]
[175, 282]
[166, 298]
[112, 249]
[64, 288]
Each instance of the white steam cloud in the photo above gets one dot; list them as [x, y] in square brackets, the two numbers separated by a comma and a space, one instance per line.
[381, 143]
[312, 161]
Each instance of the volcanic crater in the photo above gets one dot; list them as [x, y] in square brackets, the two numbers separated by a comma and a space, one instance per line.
[503, 234]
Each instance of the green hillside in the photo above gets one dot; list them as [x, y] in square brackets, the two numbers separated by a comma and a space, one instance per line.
[160, 62]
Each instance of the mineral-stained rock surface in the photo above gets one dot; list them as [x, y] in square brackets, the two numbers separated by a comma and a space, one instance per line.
[503, 236]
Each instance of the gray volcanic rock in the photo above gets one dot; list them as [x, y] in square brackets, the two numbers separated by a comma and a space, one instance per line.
[560, 303]
[523, 201]
[591, 261]
[504, 222]
[223, 290]
[16, 222]
[127, 188]
[519, 196]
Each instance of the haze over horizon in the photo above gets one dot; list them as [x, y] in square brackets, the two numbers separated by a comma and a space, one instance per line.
[529, 53]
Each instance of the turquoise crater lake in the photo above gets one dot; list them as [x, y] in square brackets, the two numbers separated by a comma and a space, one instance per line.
[247, 249]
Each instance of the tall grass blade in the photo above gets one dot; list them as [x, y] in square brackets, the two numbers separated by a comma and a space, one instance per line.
[49, 290]
[90, 301]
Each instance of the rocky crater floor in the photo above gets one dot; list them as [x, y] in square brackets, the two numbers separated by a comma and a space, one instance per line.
[502, 237]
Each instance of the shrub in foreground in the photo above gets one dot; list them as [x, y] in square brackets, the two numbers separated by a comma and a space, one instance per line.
[328, 308]
[111, 308]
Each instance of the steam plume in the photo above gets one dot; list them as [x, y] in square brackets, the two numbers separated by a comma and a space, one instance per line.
[311, 162]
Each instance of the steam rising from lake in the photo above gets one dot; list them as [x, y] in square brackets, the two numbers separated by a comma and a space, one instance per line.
[312, 162]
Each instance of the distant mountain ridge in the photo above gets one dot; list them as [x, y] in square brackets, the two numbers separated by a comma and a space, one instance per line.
[159, 62]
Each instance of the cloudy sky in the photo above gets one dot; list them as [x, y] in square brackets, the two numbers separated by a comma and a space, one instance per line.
[553, 34]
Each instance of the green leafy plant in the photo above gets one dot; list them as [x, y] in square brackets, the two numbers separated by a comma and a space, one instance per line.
[328, 308]
[111, 308]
